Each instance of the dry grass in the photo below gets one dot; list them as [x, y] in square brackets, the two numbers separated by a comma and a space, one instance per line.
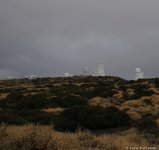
[56, 110]
[155, 99]
[145, 110]
[99, 101]
[119, 95]
[141, 107]
[125, 108]
[134, 115]
[3, 95]
[133, 103]
[130, 92]
[155, 90]
[30, 137]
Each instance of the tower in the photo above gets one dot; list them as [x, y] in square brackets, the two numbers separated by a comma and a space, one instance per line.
[85, 71]
[138, 74]
[100, 69]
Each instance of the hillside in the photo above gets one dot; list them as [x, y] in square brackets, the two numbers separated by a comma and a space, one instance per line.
[86, 102]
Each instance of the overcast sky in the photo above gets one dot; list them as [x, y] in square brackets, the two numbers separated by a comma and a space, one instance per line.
[51, 37]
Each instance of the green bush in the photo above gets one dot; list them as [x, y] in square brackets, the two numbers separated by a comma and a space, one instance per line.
[26, 102]
[148, 101]
[69, 101]
[37, 116]
[10, 117]
[147, 125]
[91, 118]
[156, 81]
[139, 91]
[63, 90]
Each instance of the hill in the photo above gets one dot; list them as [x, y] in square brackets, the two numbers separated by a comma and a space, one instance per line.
[86, 102]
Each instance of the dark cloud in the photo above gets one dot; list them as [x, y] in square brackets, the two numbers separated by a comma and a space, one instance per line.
[52, 37]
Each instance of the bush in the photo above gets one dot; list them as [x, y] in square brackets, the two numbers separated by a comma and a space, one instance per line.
[156, 81]
[69, 101]
[63, 90]
[10, 117]
[147, 125]
[33, 102]
[148, 101]
[26, 102]
[91, 118]
[103, 91]
[37, 116]
[139, 91]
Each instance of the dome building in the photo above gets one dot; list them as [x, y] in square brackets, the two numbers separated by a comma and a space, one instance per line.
[138, 74]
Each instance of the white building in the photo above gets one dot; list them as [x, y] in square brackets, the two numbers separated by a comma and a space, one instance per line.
[10, 78]
[100, 69]
[85, 71]
[67, 75]
[138, 74]
[31, 77]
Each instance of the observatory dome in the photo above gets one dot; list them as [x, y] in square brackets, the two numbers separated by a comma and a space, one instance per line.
[66, 74]
[137, 70]
[138, 74]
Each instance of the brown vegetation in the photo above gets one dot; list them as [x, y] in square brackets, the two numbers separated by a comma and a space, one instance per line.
[99, 101]
[30, 137]
[44, 100]
[54, 110]
[134, 115]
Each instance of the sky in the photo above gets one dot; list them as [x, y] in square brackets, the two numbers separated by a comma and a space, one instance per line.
[51, 37]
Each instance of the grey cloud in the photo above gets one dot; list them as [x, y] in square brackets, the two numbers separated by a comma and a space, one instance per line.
[53, 37]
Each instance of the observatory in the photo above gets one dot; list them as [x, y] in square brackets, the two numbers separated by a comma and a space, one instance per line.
[10, 78]
[100, 69]
[31, 77]
[66, 75]
[85, 71]
[138, 74]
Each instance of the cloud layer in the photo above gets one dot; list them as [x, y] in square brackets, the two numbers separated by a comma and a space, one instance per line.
[52, 37]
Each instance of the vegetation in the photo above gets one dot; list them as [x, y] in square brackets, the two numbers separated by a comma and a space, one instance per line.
[69, 101]
[106, 113]
[37, 137]
[91, 118]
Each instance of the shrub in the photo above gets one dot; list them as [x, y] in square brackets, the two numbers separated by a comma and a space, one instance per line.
[149, 128]
[148, 101]
[10, 117]
[140, 91]
[26, 102]
[156, 81]
[146, 124]
[34, 102]
[37, 116]
[91, 118]
[103, 91]
[63, 90]
[69, 101]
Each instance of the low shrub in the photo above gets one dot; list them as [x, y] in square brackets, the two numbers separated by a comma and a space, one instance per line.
[37, 116]
[91, 118]
[69, 101]
[147, 125]
[10, 117]
[156, 82]
[140, 91]
[20, 101]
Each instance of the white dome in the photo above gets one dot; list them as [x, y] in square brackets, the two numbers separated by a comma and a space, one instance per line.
[137, 70]
[66, 74]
